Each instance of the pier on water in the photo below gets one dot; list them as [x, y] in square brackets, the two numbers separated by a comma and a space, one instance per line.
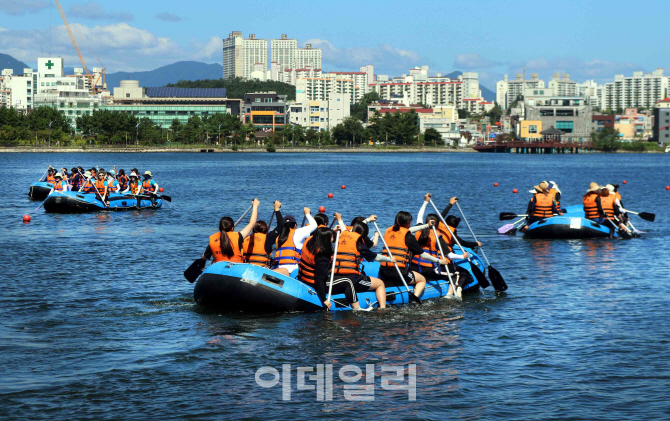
[536, 147]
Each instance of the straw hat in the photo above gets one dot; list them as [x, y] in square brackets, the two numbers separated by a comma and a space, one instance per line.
[147, 173]
[58, 175]
[542, 188]
[593, 188]
[88, 174]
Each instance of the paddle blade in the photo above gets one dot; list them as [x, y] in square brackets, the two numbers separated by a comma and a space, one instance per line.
[505, 229]
[414, 298]
[168, 198]
[651, 217]
[483, 282]
[195, 270]
[506, 216]
[497, 280]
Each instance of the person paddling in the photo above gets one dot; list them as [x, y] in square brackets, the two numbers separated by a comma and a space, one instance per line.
[351, 250]
[134, 186]
[257, 247]
[402, 244]
[101, 189]
[88, 186]
[226, 245]
[290, 243]
[59, 183]
[541, 206]
[50, 177]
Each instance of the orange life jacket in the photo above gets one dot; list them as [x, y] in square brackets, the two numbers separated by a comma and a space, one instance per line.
[134, 187]
[100, 186]
[396, 244]
[348, 258]
[590, 206]
[307, 265]
[215, 247]
[76, 180]
[123, 182]
[446, 232]
[60, 186]
[256, 255]
[287, 253]
[607, 204]
[430, 248]
[112, 186]
[618, 196]
[147, 186]
[88, 187]
[50, 179]
[543, 205]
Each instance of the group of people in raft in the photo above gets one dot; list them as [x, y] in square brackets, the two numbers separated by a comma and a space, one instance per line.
[101, 182]
[310, 249]
[601, 204]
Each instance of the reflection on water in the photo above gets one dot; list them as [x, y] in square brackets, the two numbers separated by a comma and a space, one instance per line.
[109, 330]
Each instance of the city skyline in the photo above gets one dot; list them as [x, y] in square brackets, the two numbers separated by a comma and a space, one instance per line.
[132, 36]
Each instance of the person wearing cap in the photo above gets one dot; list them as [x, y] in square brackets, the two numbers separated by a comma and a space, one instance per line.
[608, 210]
[50, 175]
[134, 186]
[614, 189]
[555, 193]
[290, 241]
[149, 184]
[541, 206]
[227, 245]
[87, 186]
[112, 184]
[59, 183]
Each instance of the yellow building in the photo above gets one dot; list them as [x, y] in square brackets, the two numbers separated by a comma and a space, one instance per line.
[530, 129]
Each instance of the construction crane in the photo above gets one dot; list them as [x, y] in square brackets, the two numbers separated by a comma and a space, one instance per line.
[89, 76]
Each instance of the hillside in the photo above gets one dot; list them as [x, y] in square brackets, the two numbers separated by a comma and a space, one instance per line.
[9, 62]
[236, 88]
[172, 73]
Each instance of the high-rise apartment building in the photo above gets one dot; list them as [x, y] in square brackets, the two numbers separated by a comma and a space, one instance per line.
[640, 90]
[287, 55]
[561, 85]
[509, 90]
[240, 55]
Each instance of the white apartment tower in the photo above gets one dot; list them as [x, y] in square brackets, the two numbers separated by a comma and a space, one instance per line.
[561, 85]
[641, 90]
[509, 90]
[240, 55]
[287, 55]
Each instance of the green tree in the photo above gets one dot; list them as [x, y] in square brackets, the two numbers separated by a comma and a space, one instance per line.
[359, 110]
[606, 140]
[432, 136]
[463, 113]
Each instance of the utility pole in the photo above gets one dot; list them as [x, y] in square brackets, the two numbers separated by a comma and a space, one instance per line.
[220, 133]
[50, 123]
[137, 134]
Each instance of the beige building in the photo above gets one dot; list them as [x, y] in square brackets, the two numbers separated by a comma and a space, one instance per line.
[319, 115]
[240, 55]
[287, 55]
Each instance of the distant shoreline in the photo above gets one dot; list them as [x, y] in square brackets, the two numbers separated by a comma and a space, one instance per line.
[228, 150]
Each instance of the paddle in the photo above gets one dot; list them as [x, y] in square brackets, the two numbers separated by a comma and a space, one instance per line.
[242, 217]
[332, 270]
[635, 230]
[496, 278]
[446, 268]
[411, 295]
[271, 218]
[625, 233]
[304, 218]
[198, 265]
[102, 200]
[475, 270]
[195, 270]
[509, 229]
[651, 217]
[506, 216]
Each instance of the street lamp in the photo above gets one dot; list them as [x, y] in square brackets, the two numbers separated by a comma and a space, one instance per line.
[220, 133]
[137, 133]
[50, 123]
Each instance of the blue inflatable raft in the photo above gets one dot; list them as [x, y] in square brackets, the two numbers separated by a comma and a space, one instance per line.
[39, 190]
[572, 225]
[247, 287]
[75, 202]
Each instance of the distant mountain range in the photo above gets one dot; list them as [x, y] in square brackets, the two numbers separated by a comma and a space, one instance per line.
[173, 73]
[9, 62]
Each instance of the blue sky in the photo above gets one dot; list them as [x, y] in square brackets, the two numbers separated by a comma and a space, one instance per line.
[593, 39]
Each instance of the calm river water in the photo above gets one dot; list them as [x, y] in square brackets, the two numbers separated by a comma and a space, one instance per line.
[98, 322]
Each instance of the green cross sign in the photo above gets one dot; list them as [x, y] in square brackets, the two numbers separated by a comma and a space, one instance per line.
[49, 64]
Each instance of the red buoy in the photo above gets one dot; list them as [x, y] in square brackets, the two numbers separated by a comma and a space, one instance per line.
[330, 195]
[160, 189]
[343, 187]
[515, 191]
[625, 182]
[322, 209]
[495, 184]
[26, 218]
